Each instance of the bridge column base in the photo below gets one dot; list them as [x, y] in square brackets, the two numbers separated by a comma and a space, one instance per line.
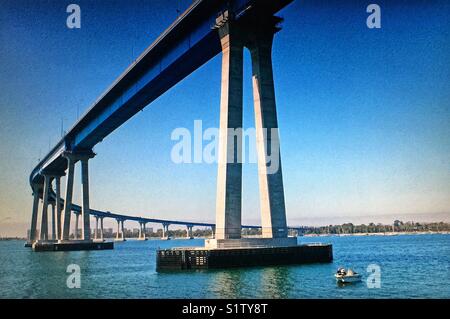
[71, 245]
[250, 242]
[28, 244]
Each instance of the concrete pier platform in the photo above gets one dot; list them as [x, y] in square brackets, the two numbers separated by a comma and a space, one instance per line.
[71, 246]
[204, 258]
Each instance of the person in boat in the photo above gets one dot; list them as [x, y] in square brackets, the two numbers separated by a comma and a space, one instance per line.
[341, 272]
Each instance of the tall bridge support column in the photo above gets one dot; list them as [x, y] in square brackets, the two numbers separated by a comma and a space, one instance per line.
[72, 158]
[229, 177]
[76, 229]
[54, 237]
[120, 235]
[58, 207]
[273, 212]
[101, 228]
[85, 210]
[142, 235]
[118, 229]
[189, 232]
[34, 215]
[44, 218]
[68, 199]
[96, 228]
[122, 228]
[165, 230]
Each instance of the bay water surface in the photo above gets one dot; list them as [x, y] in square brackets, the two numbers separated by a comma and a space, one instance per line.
[412, 266]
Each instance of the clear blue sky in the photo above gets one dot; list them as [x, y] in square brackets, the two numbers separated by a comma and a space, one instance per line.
[364, 113]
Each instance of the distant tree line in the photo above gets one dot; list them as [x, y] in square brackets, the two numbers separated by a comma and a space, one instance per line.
[397, 226]
[347, 228]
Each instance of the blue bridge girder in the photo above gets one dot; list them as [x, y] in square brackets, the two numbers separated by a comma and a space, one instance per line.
[186, 45]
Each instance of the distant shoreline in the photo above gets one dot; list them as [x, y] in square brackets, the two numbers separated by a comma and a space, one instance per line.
[12, 238]
[380, 234]
[308, 235]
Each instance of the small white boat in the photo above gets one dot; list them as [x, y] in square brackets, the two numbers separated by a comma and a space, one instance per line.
[347, 276]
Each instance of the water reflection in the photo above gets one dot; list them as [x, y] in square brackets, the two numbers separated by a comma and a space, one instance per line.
[260, 282]
[46, 273]
[227, 283]
[276, 282]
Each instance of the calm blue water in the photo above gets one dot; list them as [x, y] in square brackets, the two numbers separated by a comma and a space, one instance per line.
[412, 266]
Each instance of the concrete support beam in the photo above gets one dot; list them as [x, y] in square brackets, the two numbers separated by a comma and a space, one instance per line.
[54, 236]
[72, 158]
[96, 228]
[120, 235]
[34, 215]
[101, 228]
[142, 235]
[118, 230]
[165, 230]
[85, 211]
[44, 218]
[58, 206]
[68, 199]
[76, 230]
[229, 177]
[189, 232]
[273, 212]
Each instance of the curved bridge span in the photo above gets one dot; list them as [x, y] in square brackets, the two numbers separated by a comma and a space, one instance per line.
[205, 29]
[142, 221]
